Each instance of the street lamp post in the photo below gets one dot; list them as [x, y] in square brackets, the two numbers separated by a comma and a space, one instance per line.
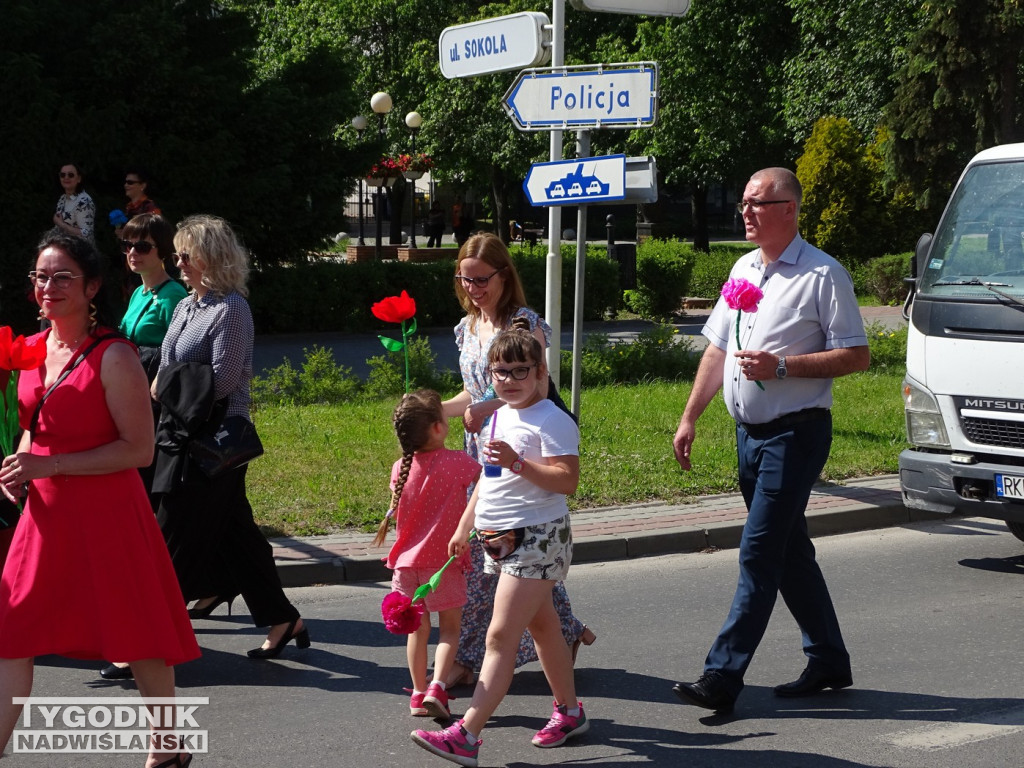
[380, 103]
[359, 123]
[413, 120]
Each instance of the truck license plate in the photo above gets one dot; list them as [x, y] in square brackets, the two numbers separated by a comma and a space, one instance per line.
[1010, 486]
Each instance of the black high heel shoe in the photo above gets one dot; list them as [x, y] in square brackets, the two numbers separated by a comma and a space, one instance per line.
[177, 762]
[202, 613]
[301, 639]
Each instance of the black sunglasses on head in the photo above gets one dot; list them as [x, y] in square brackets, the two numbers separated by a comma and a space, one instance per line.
[140, 246]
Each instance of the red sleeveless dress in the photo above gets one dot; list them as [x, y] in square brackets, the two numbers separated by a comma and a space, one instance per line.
[88, 575]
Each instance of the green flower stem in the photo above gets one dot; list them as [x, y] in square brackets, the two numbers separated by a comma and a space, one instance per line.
[739, 347]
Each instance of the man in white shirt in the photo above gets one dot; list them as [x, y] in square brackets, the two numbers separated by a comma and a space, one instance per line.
[806, 331]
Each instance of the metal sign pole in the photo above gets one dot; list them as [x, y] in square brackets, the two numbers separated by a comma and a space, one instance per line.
[582, 150]
[553, 279]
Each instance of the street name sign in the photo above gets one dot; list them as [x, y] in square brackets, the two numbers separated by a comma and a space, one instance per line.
[613, 179]
[589, 96]
[644, 7]
[500, 44]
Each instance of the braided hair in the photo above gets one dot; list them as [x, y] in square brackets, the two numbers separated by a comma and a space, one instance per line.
[413, 418]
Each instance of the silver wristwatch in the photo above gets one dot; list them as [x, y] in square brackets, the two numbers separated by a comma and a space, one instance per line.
[780, 370]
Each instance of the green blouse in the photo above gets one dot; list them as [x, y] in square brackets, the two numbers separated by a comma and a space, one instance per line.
[149, 313]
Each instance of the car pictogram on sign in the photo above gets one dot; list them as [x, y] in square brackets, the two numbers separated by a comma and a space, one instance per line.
[578, 184]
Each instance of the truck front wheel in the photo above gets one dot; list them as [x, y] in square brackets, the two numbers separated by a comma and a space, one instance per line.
[1017, 529]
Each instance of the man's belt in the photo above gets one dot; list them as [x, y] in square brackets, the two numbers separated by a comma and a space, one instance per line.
[784, 423]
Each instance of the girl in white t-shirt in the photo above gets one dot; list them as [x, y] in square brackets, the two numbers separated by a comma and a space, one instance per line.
[522, 520]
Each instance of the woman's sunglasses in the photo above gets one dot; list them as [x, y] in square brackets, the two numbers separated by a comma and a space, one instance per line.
[140, 246]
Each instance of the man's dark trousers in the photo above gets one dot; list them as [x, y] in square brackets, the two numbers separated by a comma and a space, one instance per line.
[776, 474]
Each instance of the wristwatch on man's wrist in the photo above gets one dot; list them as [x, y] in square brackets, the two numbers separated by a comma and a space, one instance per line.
[516, 467]
[780, 370]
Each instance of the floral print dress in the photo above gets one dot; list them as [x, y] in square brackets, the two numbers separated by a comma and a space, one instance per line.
[480, 587]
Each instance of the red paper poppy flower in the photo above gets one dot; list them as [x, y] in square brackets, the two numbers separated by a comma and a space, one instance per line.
[395, 309]
[19, 354]
[401, 615]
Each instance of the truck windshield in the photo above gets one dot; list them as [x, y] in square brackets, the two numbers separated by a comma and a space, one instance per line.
[979, 249]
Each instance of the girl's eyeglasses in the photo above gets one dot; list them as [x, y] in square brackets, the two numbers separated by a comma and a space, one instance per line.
[65, 175]
[140, 246]
[480, 282]
[183, 257]
[518, 373]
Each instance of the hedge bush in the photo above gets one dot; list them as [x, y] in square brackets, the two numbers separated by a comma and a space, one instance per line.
[336, 296]
[883, 277]
[662, 278]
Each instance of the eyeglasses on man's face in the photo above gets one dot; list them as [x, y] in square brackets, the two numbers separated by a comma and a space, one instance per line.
[131, 182]
[757, 205]
[60, 280]
[480, 282]
[518, 372]
[140, 246]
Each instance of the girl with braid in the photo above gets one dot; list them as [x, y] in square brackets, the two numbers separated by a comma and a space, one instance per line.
[428, 497]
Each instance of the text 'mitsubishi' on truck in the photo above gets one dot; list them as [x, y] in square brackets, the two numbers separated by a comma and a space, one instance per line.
[964, 390]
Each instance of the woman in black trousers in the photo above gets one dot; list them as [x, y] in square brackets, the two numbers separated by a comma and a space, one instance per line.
[216, 547]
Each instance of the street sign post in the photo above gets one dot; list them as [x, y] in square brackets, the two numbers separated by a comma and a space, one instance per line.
[590, 96]
[645, 7]
[500, 44]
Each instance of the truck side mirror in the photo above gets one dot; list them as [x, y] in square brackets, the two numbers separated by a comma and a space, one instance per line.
[924, 243]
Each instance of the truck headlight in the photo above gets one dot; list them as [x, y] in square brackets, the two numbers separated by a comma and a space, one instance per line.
[924, 421]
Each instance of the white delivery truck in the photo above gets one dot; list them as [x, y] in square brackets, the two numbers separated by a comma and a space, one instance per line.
[964, 390]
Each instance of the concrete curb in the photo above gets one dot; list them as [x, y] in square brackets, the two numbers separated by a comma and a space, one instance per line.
[644, 543]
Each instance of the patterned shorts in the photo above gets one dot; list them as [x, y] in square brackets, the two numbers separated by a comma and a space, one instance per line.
[450, 593]
[546, 553]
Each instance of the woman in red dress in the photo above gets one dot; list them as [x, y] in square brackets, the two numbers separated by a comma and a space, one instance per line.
[77, 467]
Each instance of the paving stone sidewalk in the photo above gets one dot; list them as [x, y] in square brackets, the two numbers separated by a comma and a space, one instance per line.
[616, 533]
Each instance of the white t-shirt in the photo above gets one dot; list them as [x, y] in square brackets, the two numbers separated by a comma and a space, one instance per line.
[511, 501]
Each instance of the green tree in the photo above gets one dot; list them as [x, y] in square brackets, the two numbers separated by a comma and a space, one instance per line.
[958, 93]
[720, 96]
[845, 62]
[177, 86]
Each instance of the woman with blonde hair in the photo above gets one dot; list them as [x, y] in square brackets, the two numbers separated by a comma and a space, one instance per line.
[217, 549]
[490, 291]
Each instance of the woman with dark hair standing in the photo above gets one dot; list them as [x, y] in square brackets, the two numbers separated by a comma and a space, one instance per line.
[87, 428]
[491, 293]
[217, 549]
[76, 212]
[136, 189]
[148, 247]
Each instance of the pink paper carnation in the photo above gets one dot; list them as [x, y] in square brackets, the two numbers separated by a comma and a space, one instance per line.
[401, 615]
[741, 294]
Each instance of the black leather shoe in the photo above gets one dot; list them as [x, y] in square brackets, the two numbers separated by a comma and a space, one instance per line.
[709, 692]
[114, 672]
[814, 680]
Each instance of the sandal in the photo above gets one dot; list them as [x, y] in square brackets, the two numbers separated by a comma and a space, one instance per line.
[587, 637]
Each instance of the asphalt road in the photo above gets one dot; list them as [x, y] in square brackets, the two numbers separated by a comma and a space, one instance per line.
[931, 612]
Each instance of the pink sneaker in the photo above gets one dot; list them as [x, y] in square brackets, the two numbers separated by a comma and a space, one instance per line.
[416, 708]
[435, 701]
[560, 727]
[451, 744]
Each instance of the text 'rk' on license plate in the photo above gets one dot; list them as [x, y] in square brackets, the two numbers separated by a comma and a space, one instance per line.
[1010, 486]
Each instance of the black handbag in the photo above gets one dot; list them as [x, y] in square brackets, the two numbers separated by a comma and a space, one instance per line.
[232, 445]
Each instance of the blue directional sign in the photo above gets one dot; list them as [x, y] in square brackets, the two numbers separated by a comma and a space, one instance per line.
[577, 182]
[591, 96]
